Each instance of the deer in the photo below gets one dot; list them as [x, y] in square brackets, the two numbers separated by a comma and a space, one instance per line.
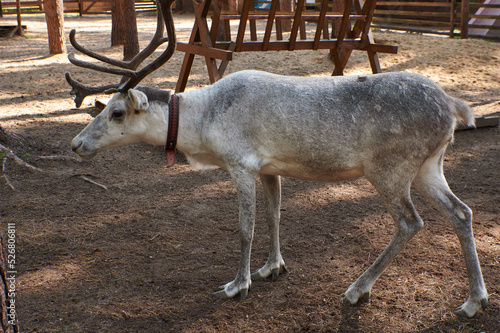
[391, 128]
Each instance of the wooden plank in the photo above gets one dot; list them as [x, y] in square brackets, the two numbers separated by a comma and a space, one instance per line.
[413, 4]
[413, 14]
[269, 24]
[296, 24]
[206, 51]
[487, 121]
[416, 28]
[482, 26]
[485, 17]
[321, 23]
[187, 63]
[369, 11]
[247, 4]
[282, 45]
[484, 5]
[215, 21]
[345, 24]
[307, 16]
[406, 22]
[224, 63]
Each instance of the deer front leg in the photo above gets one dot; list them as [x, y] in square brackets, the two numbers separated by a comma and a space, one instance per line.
[245, 186]
[272, 198]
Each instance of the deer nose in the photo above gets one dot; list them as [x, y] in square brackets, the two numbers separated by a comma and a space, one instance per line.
[75, 144]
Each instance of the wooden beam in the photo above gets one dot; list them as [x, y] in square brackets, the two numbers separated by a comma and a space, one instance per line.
[296, 24]
[486, 121]
[19, 24]
[205, 51]
[464, 26]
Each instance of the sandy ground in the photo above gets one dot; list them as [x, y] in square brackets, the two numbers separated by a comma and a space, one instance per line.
[146, 254]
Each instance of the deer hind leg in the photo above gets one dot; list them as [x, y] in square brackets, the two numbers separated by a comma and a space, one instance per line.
[431, 183]
[272, 197]
[396, 196]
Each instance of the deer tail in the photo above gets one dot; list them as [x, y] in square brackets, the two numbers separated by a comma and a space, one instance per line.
[463, 112]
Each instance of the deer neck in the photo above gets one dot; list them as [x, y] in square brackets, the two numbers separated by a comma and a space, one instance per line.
[192, 105]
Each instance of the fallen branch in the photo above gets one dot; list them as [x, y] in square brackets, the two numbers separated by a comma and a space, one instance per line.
[4, 176]
[57, 157]
[8, 153]
[84, 177]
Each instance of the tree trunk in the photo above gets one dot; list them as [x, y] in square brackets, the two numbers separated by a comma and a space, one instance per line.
[54, 15]
[8, 322]
[117, 23]
[124, 27]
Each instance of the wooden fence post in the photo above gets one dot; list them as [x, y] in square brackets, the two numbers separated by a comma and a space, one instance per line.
[464, 26]
[19, 24]
[452, 18]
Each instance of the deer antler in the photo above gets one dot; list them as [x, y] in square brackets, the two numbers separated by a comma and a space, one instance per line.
[128, 70]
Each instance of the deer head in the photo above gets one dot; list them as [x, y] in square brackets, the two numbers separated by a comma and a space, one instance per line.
[128, 117]
[128, 70]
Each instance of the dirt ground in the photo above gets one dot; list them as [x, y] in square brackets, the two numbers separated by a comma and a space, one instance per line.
[146, 254]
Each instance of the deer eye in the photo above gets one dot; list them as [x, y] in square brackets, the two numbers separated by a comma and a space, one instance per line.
[117, 114]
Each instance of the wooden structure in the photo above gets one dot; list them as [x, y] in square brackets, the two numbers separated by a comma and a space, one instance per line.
[353, 34]
[449, 17]
[462, 18]
[10, 31]
[486, 20]
[82, 7]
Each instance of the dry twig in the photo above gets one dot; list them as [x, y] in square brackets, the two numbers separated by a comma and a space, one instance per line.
[84, 177]
[10, 154]
[57, 157]
[4, 176]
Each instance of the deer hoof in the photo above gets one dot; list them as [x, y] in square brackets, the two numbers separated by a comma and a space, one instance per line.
[232, 289]
[266, 272]
[347, 298]
[275, 273]
[243, 294]
[470, 308]
[224, 295]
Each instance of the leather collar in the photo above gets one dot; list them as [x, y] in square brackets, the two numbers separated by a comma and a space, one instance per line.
[173, 127]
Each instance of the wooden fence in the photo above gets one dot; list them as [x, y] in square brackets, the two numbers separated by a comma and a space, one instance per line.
[464, 18]
[82, 7]
[474, 18]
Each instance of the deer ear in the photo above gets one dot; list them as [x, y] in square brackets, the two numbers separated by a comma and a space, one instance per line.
[138, 100]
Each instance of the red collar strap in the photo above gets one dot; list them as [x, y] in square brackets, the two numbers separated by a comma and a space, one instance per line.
[173, 127]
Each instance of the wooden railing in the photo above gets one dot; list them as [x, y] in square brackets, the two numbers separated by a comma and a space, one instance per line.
[217, 43]
[464, 18]
[453, 18]
[82, 7]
